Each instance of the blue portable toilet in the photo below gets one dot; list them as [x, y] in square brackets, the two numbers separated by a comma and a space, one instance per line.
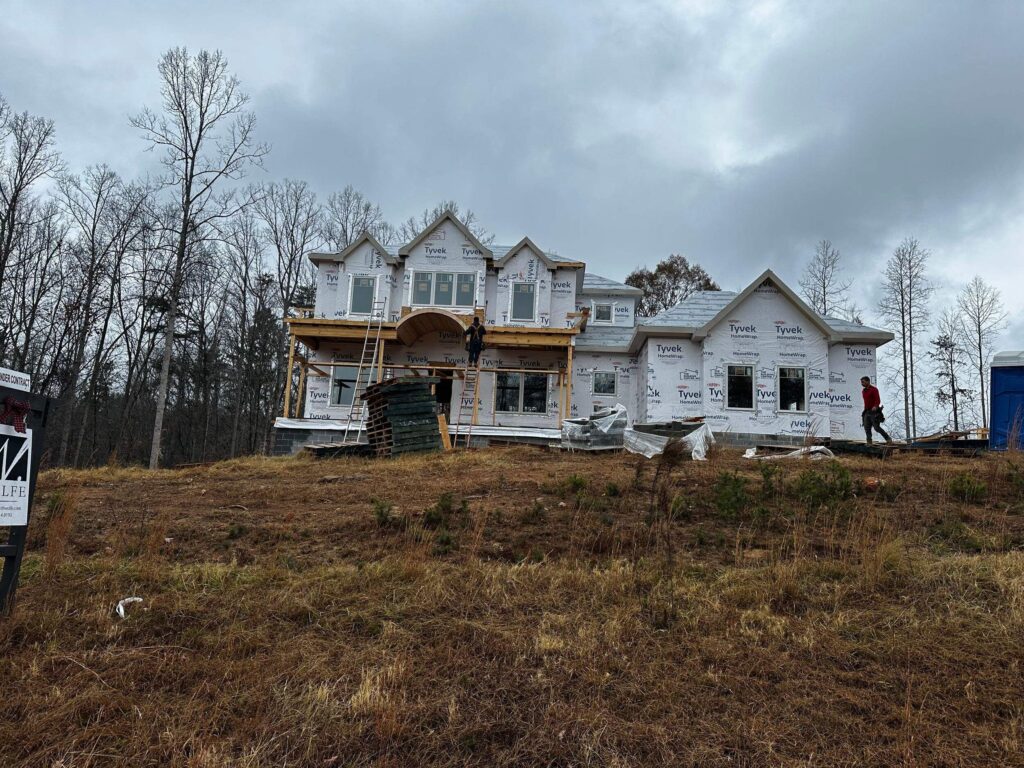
[1007, 397]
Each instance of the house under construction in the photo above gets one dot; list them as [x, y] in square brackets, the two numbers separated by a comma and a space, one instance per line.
[562, 342]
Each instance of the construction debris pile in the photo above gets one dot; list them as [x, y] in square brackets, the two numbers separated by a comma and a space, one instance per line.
[602, 430]
[402, 416]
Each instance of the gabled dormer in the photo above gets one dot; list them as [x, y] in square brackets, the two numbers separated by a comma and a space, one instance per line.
[522, 295]
[444, 266]
[352, 282]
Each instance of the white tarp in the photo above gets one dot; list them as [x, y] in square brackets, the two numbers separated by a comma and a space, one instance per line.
[808, 451]
[606, 421]
[650, 446]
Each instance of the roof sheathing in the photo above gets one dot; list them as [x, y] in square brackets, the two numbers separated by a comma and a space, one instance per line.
[597, 284]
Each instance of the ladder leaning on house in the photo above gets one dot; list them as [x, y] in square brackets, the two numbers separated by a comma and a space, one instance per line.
[368, 362]
[470, 379]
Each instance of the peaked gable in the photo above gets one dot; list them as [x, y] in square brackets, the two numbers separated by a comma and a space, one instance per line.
[526, 243]
[367, 238]
[768, 277]
[406, 249]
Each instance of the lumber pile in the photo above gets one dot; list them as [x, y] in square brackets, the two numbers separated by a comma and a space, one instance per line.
[402, 416]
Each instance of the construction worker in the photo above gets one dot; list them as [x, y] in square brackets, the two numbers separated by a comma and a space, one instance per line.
[475, 340]
[872, 417]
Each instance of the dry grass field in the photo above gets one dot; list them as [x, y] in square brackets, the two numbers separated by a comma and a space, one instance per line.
[517, 607]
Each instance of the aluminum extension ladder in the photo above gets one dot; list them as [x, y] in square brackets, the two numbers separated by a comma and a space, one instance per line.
[470, 379]
[368, 361]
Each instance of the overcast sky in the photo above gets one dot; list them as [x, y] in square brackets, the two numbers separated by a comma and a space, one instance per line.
[738, 134]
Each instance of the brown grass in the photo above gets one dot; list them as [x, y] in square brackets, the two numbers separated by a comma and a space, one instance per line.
[290, 620]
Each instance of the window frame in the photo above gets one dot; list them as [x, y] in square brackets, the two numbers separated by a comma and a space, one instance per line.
[611, 312]
[456, 275]
[522, 392]
[753, 388]
[352, 389]
[778, 389]
[473, 276]
[615, 384]
[512, 302]
[352, 293]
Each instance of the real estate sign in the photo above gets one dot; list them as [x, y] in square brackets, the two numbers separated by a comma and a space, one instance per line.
[15, 471]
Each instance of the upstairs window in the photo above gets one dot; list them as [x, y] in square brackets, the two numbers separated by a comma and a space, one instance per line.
[444, 289]
[524, 300]
[739, 387]
[604, 383]
[465, 290]
[792, 389]
[423, 288]
[603, 313]
[363, 290]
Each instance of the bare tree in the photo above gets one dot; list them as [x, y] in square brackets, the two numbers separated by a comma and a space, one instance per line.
[949, 356]
[27, 155]
[293, 221]
[982, 317]
[347, 215]
[904, 303]
[412, 226]
[672, 281]
[207, 137]
[822, 285]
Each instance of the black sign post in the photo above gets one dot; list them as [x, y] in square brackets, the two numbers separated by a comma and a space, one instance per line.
[20, 452]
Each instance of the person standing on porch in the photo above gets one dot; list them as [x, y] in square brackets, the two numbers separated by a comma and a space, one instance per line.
[872, 416]
[475, 340]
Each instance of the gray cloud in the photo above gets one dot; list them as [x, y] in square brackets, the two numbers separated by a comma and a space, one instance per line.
[739, 134]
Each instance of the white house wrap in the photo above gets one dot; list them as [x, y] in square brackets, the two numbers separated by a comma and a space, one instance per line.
[563, 343]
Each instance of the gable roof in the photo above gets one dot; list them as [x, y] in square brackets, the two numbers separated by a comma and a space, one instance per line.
[406, 249]
[366, 237]
[596, 284]
[785, 290]
[694, 316]
[525, 243]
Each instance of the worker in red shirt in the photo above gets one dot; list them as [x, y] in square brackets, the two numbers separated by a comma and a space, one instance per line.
[872, 417]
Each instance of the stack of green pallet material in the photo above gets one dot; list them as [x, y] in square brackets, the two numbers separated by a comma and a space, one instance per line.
[402, 416]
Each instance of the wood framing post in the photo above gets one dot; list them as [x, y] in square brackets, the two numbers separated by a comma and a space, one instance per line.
[561, 399]
[380, 362]
[299, 398]
[568, 381]
[288, 374]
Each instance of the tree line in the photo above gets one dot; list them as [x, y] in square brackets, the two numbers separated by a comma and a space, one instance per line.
[150, 310]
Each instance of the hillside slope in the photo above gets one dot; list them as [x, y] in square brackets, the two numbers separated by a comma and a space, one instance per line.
[520, 607]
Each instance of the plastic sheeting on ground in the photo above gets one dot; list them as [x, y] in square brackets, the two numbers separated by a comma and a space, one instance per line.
[650, 446]
[602, 429]
[808, 451]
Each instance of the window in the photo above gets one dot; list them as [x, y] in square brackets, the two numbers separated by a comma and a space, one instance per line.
[603, 313]
[521, 393]
[363, 290]
[739, 387]
[792, 389]
[507, 398]
[523, 296]
[444, 289]
[422, 287]
[465, 291]
[604, 383]
[343, 384]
